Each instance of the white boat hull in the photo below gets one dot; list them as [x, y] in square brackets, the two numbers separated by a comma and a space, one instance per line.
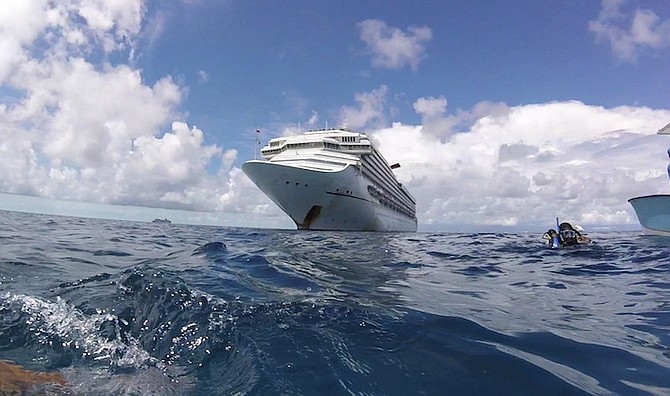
[326, 200]
[653, 213]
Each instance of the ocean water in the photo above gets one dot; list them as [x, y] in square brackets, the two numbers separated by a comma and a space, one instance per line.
[130, 308]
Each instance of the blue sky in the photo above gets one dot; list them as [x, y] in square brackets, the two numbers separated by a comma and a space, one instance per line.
[503, 113]
[275, 63]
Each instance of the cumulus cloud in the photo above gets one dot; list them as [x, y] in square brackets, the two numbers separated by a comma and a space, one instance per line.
[521, 166]
[392, 48]
[78, 127]
[525, 165]
[436, 121]
[74, 125]
[370, 110]
[314, 118]
[629, 32]
[203, 77]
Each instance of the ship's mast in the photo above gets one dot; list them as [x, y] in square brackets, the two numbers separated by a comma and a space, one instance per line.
[257, 143]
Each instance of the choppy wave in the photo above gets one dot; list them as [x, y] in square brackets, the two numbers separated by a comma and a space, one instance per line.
[131, 308]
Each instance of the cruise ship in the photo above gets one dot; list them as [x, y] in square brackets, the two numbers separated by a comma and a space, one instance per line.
[333, 179]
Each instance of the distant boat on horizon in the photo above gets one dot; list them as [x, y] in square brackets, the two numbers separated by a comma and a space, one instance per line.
[653, 211]
[333, 179]
[161, 221]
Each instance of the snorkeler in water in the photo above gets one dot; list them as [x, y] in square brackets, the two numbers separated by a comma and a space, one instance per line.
[552, 237]
[567, 235]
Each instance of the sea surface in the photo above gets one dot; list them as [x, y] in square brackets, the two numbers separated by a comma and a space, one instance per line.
[132, 308]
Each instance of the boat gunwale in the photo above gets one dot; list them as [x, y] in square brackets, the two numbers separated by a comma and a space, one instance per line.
[648, 196]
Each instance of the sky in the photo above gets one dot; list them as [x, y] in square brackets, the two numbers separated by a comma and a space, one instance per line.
[503, 115]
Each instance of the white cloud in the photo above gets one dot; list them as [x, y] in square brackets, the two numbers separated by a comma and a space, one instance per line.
[437, 122]
[431, 107]
[80, 128]
[434, 116]
[530, 163]
[392, 48]
[314, 118]
[370, 110]
[203, 76]
[628, 33]
[20, 23]
[521, 166]
[94, 129]
[154, 27]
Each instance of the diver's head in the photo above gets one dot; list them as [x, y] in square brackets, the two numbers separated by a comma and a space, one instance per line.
[565, 226]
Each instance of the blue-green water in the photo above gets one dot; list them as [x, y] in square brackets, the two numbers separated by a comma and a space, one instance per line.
[152, 309]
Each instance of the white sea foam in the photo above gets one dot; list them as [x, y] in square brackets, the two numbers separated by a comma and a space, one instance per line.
[61, 322]
[58, 321]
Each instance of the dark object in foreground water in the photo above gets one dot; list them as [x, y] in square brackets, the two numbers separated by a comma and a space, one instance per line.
[15, 380]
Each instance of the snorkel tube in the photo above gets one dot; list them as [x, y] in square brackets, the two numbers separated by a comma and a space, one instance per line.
[555, 243]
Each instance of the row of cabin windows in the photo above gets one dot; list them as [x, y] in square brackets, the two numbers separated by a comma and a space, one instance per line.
[327, 145]
[343, 139]
[371, 172]
[389, 202]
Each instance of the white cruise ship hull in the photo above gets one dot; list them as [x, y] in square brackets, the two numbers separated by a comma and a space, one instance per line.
[653, 213]
[326, 200]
